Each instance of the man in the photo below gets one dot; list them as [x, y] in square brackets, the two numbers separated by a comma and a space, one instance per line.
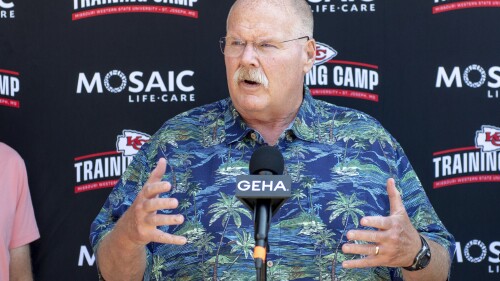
[346, 220]
[17, 221]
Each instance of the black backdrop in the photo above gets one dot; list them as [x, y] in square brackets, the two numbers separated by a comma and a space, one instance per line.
[429, 70]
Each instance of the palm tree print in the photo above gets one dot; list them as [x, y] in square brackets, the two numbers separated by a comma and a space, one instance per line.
[193, 189]
[297, 194]
[227, 207]
[242, 146]
[243, 244]
[308, 183]
[158, 266]
[204, 245]
[347, 207]
[184, 159]
[324, 240]
[184, 205]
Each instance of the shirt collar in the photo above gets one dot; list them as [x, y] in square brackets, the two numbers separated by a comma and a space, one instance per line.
[236, 129]
[302, 127]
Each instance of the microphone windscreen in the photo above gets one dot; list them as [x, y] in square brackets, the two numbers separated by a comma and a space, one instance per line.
[267, 158]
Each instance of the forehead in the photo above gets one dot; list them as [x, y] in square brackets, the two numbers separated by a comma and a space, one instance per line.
[260, 20]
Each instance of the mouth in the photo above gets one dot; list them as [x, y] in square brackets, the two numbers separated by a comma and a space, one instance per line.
[250, 78]
[250, 82]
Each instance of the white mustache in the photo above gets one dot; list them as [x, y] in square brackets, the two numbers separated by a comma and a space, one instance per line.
[251, 74]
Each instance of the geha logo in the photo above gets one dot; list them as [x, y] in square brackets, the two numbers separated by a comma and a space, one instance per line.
[342, 6]
[442, 6]
[143, 87]
[473, 76]
[9, 88]
[488, 139]
[261, 185]
[7, 10]
[102, 170]
[474, 164]
[92, 8]
[344, 78]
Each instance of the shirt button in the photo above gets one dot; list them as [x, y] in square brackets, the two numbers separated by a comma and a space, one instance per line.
[270, 263]
[253, 136]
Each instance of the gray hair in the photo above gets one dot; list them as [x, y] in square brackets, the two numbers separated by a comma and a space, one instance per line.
[299, 9]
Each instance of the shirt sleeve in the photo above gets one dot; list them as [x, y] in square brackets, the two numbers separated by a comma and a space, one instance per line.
[24, 229]
[120, 199]
[418, 206]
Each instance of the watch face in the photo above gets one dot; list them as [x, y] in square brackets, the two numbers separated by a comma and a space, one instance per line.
[426, 258]
[423, 257]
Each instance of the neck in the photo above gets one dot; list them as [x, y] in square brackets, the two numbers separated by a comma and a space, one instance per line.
[271, 129]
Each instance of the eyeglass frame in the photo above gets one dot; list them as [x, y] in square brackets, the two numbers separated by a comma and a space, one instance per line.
[223, 40]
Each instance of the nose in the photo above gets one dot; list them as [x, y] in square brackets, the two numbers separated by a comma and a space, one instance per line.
[249, 57]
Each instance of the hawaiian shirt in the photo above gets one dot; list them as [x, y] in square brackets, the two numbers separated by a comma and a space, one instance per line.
[339, 160]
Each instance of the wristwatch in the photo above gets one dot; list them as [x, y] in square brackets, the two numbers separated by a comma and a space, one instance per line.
[423, 257]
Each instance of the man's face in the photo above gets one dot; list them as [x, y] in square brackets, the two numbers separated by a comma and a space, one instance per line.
[283, 68]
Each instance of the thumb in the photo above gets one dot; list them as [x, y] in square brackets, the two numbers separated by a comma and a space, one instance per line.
[395, 200]
[159, 171]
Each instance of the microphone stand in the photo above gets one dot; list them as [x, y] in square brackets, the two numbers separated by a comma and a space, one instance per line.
[262, 215]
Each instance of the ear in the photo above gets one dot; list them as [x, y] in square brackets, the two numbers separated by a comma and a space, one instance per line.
[310, 49]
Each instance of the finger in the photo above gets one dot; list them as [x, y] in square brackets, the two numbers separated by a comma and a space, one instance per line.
[158, 171]
[364, 235]
[370, 261]
[360, 249]
[395, 200]
[151, 190]
[166, 238]
[159, 220]
[379, 222]
[156, 204]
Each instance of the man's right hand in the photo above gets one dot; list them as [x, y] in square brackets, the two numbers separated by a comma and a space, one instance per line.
[141, 220]
[121, 255]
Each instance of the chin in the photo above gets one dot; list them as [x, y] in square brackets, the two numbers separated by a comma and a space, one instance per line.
[249, 102]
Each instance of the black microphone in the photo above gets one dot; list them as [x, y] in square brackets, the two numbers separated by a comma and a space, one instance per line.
[264, 192]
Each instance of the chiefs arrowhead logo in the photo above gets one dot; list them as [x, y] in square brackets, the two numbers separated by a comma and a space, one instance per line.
[488, 139]
[130, 142]
[324, 53]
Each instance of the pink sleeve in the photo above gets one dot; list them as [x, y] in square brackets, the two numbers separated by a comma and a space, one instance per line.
[24, 228]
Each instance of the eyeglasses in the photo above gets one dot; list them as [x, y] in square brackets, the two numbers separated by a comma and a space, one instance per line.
[233, 47]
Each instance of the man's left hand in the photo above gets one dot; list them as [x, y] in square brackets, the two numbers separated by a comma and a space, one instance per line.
[394, 244]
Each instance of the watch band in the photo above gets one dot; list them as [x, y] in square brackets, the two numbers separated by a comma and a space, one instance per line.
[423, 257]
